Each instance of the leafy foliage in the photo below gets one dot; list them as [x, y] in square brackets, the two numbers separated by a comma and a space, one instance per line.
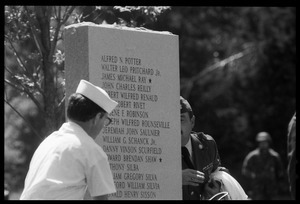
[238, 70]
[20, 142]
[34, 72]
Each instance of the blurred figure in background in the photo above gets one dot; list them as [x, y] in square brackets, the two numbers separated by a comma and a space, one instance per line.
[6, 191]
[291, 150]
[263, 169]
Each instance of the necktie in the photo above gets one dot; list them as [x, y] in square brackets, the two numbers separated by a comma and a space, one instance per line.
[186, 157]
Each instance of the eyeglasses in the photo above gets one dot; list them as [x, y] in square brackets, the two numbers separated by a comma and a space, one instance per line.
[107, 121]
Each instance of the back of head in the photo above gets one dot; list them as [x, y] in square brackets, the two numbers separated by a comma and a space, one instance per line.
[81, 108]
[88, 101]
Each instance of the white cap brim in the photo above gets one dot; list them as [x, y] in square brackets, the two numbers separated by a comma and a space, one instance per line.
[97, 95]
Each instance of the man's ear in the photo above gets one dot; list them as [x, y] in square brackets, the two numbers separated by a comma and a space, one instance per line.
[101, 114]
[193, 121]
[97, 117]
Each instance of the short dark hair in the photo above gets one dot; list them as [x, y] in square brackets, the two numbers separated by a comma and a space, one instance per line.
[81, 108]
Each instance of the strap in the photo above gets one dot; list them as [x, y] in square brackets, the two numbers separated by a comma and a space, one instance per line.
[219, 196]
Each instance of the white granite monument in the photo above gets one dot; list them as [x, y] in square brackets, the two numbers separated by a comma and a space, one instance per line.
[139, 69]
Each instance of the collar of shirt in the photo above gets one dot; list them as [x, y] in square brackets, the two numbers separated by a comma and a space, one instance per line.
[189, 147]
[73, 127]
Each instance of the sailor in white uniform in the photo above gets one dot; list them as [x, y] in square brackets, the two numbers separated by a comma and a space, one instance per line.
[69, 162]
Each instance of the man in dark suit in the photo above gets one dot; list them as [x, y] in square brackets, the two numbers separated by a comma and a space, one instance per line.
[200, 158]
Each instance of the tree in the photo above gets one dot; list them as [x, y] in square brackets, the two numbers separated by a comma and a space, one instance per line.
[238, 70]
[237, 67]
[34, 49]
[34, 70]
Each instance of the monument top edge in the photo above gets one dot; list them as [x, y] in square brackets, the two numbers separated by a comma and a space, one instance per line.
[115, 26]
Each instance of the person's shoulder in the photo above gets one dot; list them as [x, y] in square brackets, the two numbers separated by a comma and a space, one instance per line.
[273, 152]
[253, 153]
[204, 138]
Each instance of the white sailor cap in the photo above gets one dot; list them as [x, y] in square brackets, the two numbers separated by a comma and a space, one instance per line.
[97, 95]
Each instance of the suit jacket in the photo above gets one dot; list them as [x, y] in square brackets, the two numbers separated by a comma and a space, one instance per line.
[205, 159]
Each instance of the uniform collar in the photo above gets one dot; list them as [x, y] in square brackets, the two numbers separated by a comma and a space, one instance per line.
[72, 127]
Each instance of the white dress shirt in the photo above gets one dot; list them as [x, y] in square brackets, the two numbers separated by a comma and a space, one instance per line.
[65, 165]
[189, 147]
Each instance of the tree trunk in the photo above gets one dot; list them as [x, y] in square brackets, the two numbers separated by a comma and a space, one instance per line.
[49, 100]
[43, 14]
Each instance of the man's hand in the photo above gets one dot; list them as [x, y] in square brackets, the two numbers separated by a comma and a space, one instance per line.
[192, 177]
[211, 188]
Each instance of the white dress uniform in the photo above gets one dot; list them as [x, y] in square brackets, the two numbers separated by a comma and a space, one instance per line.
[66, 164]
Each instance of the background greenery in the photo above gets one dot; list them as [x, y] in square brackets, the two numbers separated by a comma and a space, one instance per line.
[237, 69]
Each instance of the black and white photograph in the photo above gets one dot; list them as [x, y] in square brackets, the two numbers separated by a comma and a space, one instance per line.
[149, 102]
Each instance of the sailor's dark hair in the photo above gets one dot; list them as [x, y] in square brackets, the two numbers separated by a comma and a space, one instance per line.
[81, 108]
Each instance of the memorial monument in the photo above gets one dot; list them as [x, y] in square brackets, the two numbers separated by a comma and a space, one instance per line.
[139, 69]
